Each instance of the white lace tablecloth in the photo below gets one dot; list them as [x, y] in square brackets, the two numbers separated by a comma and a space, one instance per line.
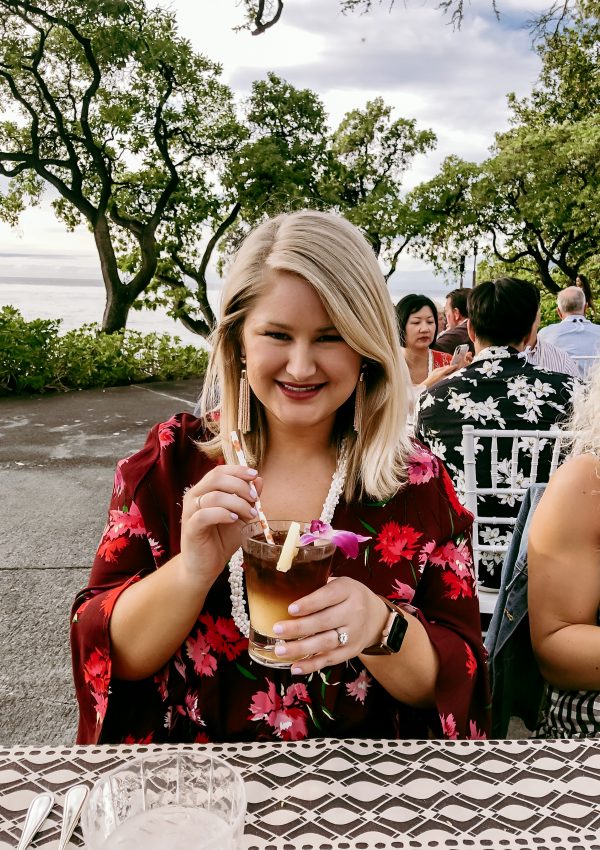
[361, 795]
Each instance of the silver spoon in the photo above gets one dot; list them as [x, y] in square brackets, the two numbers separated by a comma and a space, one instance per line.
[74, 800]
[38, 811]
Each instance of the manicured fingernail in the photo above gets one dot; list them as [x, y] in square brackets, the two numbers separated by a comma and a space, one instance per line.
[277, 629]
[280, 649]
[293, 608]
[296, 671]
[252, 472]
[253, 493]
[233, 516]
[253, 511]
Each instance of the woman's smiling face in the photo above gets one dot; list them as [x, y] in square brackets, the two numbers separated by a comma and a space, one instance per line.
[298, 365]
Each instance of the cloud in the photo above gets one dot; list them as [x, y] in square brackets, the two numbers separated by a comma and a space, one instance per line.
[454, 81]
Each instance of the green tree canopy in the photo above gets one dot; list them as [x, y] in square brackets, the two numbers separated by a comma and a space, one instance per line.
[116, 112]
[372, 154]
[535, 202]
[278, 165]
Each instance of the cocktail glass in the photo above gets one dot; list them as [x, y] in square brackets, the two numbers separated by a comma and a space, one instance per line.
[179, 801]
[270, 591]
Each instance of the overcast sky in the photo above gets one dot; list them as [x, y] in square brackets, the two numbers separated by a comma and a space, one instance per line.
[452, 81]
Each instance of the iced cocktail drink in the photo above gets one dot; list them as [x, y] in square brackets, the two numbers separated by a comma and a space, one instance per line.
[270, 590]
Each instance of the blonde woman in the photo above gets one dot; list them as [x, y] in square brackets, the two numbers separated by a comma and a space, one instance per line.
[564, 580]
[307, 341]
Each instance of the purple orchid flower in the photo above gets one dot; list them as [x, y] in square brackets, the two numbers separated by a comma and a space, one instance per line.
[347, 541]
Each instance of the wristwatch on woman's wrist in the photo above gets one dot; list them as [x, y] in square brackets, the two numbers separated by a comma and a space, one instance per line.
[393, 632]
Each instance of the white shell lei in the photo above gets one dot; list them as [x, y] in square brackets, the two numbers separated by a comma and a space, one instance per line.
[236, 571]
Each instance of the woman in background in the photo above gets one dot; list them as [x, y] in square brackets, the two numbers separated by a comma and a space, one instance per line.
[564, 581]
[583, 283]
[418, 328]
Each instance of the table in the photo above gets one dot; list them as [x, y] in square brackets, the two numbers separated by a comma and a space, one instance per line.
[361, 794]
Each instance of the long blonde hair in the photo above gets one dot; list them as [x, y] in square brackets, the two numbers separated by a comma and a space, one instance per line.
[336, 260]
[585, 419]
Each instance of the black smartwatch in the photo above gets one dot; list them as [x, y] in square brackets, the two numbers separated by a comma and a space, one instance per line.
[393, 632]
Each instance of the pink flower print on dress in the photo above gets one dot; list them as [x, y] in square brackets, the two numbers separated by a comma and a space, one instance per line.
[147, 739]
[457, 557]
[96, 672]
[424, 554]
[449, 726]
[100, 704]
[403, 592]
[223, 636]
[191, 707]
[359, 687]
[109, 549]
[475, 734]
[119, 483]
[347, 541]
[166, 430]
[128, 521]
[198, 649]
[456, 586]
[108, 601]
[287, 720]
[471, 663]
[396, 542]
[422, 467]
[157, 549]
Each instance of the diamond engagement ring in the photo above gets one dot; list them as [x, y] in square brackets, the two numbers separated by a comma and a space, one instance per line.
[342, 637]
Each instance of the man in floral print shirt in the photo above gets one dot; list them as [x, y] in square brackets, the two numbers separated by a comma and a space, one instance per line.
[499, 389]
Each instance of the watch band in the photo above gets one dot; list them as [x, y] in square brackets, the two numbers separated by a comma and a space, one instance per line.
[393, 632]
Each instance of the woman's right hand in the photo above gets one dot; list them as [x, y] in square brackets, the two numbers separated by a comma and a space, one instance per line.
[438, 374]
[214, 512]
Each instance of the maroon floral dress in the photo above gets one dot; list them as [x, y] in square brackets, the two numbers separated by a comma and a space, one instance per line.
[419, 555]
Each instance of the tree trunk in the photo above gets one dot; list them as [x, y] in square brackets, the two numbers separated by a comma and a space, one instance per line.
[116, 311]
[118, 299]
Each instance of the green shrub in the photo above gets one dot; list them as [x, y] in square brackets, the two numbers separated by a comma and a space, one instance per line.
[35, 358]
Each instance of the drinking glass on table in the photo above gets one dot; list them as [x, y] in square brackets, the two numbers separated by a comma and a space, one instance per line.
[179, 801]
[271, 590]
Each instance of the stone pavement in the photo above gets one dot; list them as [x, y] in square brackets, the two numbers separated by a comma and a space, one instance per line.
[57, 458]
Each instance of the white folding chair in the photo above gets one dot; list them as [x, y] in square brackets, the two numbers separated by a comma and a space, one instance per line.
[503, 484]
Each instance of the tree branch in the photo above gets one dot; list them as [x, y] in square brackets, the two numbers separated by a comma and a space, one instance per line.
[261, 26]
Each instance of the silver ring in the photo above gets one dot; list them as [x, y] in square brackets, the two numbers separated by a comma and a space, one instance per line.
[198, 505]
[343, 637]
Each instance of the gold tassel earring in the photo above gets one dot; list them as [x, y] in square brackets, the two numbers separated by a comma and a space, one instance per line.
[244, 402]
[359, 402]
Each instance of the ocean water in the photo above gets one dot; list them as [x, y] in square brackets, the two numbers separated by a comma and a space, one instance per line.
[77, 302]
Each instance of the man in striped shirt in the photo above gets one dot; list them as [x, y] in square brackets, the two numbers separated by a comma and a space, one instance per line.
[548, 356]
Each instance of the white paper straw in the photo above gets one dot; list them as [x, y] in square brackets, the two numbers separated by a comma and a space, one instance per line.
[237, 447]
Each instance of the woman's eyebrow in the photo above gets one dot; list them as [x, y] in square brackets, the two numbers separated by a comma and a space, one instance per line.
[285, 327]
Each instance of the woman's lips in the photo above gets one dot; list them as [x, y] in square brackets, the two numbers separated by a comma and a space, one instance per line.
[299, 391]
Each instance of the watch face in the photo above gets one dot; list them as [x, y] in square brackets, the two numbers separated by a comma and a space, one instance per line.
[397, 632]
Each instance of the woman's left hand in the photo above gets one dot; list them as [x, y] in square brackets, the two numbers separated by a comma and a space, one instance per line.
[343, 606]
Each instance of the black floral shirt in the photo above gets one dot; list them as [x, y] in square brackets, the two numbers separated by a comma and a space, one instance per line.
[499, 389]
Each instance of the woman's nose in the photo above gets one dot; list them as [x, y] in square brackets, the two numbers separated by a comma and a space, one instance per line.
[301, 363]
